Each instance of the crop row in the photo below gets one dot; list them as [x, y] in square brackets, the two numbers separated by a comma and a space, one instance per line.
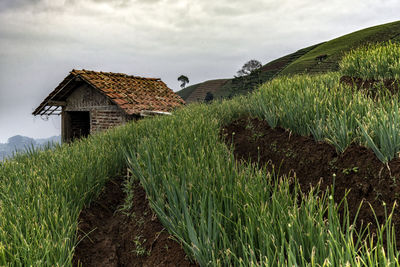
[224, 213]
[373, 61]
[330, 111]
[230, 214]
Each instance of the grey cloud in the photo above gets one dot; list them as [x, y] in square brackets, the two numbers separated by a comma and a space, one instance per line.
[124, 3]
[40, 41]
[115, 3]
[13, 4]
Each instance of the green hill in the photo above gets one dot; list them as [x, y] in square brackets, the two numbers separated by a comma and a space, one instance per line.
[331, 52]
[242, 85]
[198, 91]
[318, 58]
[226, 88]
[185, 93]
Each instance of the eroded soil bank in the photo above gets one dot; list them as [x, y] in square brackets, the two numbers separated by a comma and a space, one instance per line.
[371, 86]
[357, 169]
[113, 238]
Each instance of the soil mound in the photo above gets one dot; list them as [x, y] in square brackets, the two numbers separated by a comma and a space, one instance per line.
[357, 169]
[112, 238]
[371, 86]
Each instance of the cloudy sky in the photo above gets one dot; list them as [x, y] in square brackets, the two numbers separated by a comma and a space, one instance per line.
[42, 40]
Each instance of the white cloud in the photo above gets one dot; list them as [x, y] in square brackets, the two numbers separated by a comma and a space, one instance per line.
[41, 40]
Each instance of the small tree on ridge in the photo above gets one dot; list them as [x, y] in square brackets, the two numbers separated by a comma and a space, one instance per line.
[249, 67]
[184, 80]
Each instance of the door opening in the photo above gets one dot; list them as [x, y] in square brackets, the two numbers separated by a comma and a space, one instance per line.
[78, 125]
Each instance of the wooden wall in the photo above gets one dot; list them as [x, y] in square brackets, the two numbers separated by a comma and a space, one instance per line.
[103, 113]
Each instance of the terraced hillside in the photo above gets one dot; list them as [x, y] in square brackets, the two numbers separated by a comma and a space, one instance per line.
[201, 90]
[205, 178]
[326, 56]
[226, 88]
[318, 58]
[243, 85]
[185, 92]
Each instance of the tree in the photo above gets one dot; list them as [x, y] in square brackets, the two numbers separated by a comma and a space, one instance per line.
[249, 67]
[184, 80]
[209, 97]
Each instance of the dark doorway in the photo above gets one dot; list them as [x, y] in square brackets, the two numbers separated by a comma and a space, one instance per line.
[78, 125]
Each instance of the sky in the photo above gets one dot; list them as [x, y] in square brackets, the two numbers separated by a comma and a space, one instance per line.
[42, 40]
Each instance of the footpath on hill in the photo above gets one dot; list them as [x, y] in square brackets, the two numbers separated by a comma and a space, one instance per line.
[110, 237]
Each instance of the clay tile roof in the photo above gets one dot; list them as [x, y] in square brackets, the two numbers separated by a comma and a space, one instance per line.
[133, 94]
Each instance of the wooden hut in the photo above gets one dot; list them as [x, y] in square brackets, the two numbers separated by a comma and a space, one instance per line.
[91, 101]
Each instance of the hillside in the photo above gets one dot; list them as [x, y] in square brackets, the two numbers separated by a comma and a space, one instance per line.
[301, 172]
[318, 58]
[242, 85]
[200, 90]
[226, 88]
[22, 143]
[335, 49]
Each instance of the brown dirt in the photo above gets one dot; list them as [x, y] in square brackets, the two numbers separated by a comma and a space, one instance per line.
[371, 86]
[108, 236]
[357, 169]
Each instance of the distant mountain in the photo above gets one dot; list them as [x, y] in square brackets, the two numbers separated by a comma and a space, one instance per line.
[21, 143]
[323, 57]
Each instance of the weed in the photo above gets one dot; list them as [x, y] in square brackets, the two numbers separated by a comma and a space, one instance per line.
[274, 146]
[289, 153]
[350, 170]
[140, 250]
[140, 222]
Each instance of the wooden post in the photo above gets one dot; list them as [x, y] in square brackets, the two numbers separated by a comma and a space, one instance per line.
[65, 126]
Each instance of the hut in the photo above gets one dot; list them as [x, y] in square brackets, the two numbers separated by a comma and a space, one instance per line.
[92, 101]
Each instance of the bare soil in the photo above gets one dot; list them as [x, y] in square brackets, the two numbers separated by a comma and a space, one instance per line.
[112, 238]
[371, 86]
[357, 169]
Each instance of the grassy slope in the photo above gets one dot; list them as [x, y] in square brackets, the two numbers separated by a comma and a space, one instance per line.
[186, 92]
[304, 60]
[335, 48]
[268, 71]
[41, 194]
[225, 214]
[202, 89]
[190, 178]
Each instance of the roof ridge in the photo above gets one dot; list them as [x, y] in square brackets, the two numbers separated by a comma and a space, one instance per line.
[131, 93]
[77, 72]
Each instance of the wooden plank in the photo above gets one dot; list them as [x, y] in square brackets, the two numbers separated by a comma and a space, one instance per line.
[55, 108]
[56, 103]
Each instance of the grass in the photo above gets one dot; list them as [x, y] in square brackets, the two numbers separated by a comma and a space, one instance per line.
[305, 60]
[374, 61]
[244, 85]
[42, 193]
[226, 214]
[336, 48]
[186, 92]
[203, 88]
[223, 213]
[323, 107]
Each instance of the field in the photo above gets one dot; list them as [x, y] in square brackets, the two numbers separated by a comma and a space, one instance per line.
[336, 48]
[237, 86]
[225, 205]
[318, 58]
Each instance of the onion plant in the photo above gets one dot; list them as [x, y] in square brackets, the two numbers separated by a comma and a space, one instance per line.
[323, 107]
[224, 213]
[374, 61]
[229, 214]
